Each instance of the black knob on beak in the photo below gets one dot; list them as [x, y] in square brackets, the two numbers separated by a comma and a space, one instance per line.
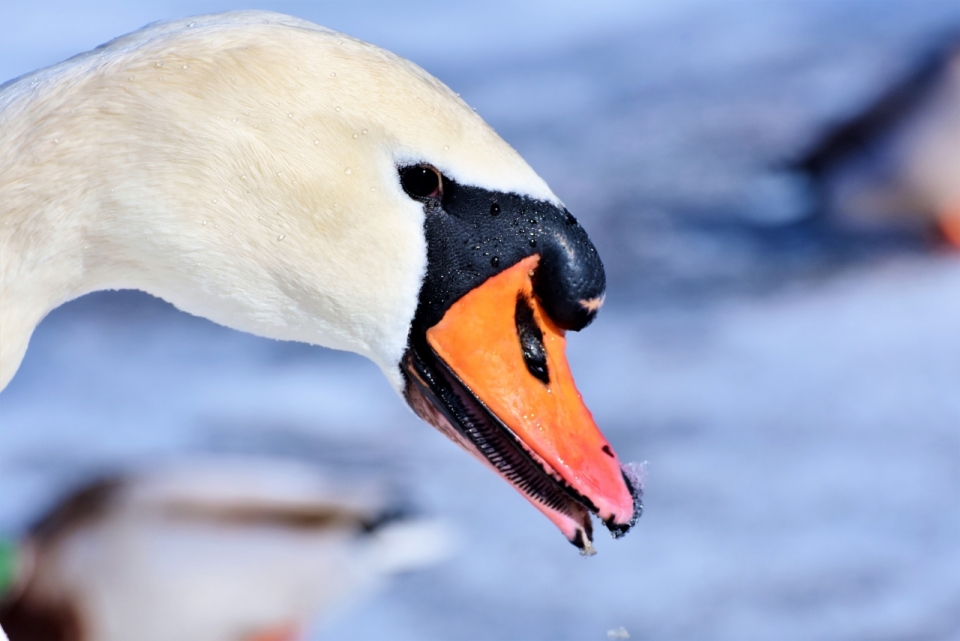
[569, 281]
[474, 234]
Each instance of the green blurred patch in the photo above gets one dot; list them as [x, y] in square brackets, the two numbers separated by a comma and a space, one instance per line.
[8, 565]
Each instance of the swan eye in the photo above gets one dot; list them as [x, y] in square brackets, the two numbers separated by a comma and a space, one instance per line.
[421, 182]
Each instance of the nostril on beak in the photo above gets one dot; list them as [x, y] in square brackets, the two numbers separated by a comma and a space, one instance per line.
[531, 341]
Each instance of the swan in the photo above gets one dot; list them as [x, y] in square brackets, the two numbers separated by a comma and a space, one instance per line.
[211, 549]
[283, 179]
[897, 163]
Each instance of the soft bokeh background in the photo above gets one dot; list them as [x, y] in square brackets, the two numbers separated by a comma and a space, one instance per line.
[798, 401]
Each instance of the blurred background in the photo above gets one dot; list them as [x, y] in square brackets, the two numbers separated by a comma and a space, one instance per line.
[787, 362]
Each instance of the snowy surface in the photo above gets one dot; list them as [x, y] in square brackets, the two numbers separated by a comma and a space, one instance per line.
[801, 423]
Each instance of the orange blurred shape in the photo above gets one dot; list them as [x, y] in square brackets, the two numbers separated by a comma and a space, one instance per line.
[283, 632]
[950, 224]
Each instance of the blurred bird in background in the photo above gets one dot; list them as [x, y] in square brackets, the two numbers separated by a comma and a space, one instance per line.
[211, 549]
[895, 165]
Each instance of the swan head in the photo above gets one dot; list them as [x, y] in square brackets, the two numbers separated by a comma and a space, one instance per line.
[507, 276]
[284, 179]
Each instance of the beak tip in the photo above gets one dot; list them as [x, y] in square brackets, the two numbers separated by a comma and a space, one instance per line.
[633, 476]
[618, 530]
[582, 540]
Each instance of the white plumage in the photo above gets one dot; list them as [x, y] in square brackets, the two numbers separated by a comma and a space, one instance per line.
[242, 166]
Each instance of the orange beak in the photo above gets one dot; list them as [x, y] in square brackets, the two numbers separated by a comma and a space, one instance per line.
[498, 343]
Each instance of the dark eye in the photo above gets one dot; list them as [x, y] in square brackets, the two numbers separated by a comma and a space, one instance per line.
[421, 181]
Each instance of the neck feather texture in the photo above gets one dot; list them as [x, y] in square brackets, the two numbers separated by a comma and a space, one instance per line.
[242, 166]
[216, 184]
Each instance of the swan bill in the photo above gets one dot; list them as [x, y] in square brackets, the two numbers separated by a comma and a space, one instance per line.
[492, 375]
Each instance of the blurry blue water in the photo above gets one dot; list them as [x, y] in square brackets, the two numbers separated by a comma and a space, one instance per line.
[804, 445]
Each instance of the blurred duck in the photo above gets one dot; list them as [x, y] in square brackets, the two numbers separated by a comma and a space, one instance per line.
[283, 179]
[896, 165]
[237, 550]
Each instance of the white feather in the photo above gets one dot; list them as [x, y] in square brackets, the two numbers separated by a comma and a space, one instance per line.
[242, 166]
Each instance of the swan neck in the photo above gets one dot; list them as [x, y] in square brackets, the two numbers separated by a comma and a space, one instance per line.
[104, 188]
[48, 230]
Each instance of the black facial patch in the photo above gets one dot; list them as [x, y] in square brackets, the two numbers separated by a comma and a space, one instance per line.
[474, 233]
[531, 341]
